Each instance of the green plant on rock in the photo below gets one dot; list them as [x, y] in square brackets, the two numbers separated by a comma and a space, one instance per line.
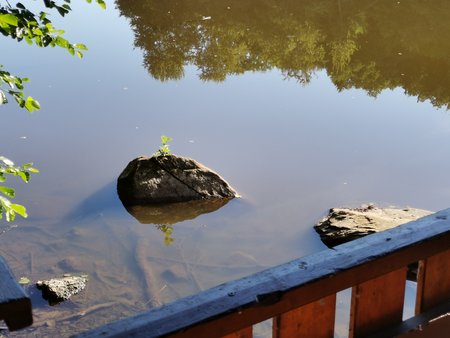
[164, 148]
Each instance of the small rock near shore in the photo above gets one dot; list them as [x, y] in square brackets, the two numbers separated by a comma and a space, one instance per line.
[342, 225]
[56, 290]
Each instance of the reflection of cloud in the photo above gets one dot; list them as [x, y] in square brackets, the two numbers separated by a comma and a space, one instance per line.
[172, 213]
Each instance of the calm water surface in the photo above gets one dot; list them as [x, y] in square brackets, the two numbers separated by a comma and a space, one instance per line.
[300, 107]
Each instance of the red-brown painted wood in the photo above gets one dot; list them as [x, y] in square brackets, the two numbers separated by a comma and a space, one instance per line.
[312, 320]
[377, 303]
[433, 284]
[245, 333]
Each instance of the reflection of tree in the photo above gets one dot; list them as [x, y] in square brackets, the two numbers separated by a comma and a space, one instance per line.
[360, 44]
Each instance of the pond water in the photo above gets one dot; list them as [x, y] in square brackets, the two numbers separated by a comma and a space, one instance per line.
[299, 106]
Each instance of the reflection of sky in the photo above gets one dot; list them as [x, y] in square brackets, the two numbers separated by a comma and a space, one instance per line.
[291, 151]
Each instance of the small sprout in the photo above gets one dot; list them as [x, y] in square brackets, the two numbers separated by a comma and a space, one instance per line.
[164, 148]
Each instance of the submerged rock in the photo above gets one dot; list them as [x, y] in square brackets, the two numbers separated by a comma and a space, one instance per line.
[56, 290]
[170, 179]
[346, 224]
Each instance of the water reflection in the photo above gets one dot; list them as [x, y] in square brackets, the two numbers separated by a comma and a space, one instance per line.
[109, 200]
[164, 216]
[174, 212]
[361, 44]
[329, 149]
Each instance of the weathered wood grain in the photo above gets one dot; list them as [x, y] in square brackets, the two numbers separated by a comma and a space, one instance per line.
[236, 305]
[15, 305]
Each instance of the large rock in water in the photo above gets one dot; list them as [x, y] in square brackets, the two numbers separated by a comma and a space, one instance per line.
[169, 179]
[345, 224]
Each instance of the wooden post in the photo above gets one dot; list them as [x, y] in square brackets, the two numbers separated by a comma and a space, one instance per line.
[433, 282]
[15, 305]
[312, 320]
[377, 303]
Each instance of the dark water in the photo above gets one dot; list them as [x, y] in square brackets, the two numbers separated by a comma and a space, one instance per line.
[300, 106]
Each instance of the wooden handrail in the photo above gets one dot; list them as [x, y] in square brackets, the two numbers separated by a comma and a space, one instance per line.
[374, 266]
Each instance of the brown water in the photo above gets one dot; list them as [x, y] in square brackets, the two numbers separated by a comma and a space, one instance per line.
[300, 106]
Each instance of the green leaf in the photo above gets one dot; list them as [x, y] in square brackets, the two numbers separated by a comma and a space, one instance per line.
[3, 98]
[6, 161]
[7, 191]
[10, 215]
[38, 41]
[102, 4]
[20, 209]
[5, 202]
[9, 19]
[29, 167]
[80, 46]
[61, 42]
[165, 139]
[31, 104]
[37, 31]
[62, 11]
[24, 176]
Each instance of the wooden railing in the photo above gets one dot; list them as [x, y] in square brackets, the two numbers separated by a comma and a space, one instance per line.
[300, 295]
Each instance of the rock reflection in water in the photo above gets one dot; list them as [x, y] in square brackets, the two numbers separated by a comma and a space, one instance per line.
[172, 213]
[165, 215]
